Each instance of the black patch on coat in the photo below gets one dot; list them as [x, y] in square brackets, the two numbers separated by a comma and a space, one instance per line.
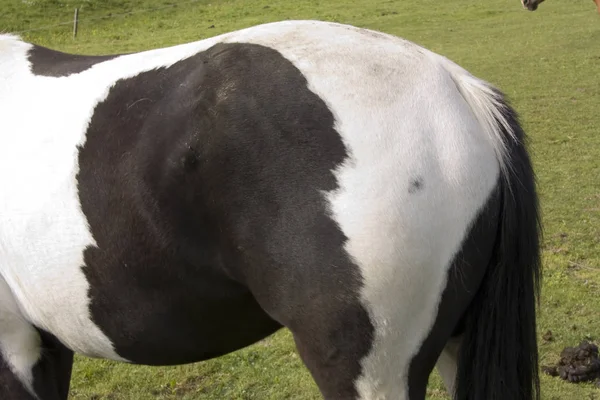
[464, 278]
[202, 186]
[47, 62]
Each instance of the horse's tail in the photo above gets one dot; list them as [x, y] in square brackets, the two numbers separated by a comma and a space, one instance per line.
[498, 359]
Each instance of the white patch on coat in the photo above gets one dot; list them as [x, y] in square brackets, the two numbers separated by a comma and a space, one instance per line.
[20, 343]
[399, 112]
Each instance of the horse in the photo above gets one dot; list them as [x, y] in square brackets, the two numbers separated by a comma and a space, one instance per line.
[174, 205]
[532, 5]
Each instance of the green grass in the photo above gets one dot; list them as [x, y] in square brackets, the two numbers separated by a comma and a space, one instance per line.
[546, 62]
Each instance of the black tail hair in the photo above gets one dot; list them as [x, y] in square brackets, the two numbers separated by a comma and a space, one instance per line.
[498, 359]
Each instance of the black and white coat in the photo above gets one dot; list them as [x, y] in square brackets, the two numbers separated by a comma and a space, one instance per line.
[174, 205]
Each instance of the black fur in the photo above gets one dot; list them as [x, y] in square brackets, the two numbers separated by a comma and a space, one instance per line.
[212, 172]
[499, 357]
[47, 62]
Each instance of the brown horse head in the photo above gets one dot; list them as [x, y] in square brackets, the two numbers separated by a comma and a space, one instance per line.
[531, 5]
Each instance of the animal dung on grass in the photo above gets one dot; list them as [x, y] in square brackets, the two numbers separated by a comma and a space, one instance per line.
[577, 364]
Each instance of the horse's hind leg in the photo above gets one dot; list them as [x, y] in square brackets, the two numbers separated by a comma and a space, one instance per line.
[386, 346]
[354, 356]
[33, 364]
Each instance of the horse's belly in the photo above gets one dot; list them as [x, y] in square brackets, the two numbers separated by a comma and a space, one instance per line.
[180, 322]
[173, 321]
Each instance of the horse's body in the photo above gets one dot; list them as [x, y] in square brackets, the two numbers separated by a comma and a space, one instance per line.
[174, 205]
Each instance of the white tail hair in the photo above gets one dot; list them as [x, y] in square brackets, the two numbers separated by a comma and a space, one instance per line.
[488, 105]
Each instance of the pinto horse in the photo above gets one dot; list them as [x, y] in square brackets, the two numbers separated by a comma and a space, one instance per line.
[174, 205]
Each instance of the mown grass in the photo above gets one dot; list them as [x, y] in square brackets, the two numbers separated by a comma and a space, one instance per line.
[546, 62]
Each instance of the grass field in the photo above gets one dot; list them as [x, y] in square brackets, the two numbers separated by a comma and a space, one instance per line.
[547, 62]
